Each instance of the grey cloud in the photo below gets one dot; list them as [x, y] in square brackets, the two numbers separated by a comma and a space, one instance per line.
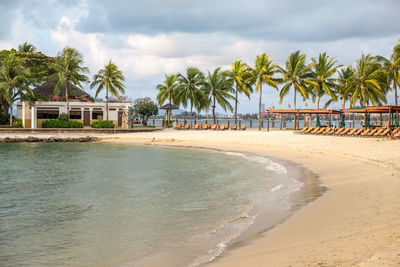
[285, 20]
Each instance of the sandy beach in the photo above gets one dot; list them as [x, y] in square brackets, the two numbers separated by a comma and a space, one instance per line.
[355, 223]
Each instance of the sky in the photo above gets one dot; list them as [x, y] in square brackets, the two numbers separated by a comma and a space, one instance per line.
[147, 39]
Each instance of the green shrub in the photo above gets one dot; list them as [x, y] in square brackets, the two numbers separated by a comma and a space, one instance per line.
[61, 124]
[4, 120]
[102, 124]
[17, 123]
[100, 118]
[63, 117]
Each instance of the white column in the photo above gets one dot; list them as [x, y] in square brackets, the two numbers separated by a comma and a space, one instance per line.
[23, 114]
[33, 117]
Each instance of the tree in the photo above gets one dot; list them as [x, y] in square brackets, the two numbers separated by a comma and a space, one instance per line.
[263, 73]
[392, 66]
[145, 108]
[189, 90]
[217, 87]
[297, 75]
[240, 77]
[111, 79]
[26, 47]
[343, 88]
[14, 81]
[167, 90]
[368, 83]
[321, 80]
[68, 69]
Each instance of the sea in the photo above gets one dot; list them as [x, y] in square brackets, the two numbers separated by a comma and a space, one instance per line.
[71, 204]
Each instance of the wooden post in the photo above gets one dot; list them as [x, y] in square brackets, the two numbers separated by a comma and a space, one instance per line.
[268, 121]
[195, 122]
[228, 123]
[240, 123]
[153, 123]
[330, 118]
[381, 119]
[251, 124]
[273, 124]
[206, 121]
[390, 116]
[365, 118]
[281, 121]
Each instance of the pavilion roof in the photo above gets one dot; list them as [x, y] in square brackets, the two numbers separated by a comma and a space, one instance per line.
[377, 109]
[169, 106]
[303, 111]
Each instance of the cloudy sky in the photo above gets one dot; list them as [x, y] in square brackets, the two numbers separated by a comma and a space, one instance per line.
[149, 38]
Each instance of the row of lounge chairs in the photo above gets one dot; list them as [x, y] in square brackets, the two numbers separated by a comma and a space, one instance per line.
[369, 132]
[207, 126]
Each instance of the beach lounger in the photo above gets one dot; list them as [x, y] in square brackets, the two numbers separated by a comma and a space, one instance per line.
[243, 127]
[320, 131]
[339, 130]
[365, 132]
[234, 127]
[395, 131]
[315, 130]
[205, 126]
[197, 126]
[386, 132]
[215, 127]
[309, 130]
[302, 130]
[372, 132]
[330, 131]
[224, 127]
[349, 131]
[357, 132]
[178, 126]
[187, 126]
[208, 126]
[379, 132]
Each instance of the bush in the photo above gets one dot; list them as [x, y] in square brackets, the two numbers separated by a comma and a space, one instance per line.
[102, 124]
[61, 124]
[4, 119]
[63, 117]
[17, 123]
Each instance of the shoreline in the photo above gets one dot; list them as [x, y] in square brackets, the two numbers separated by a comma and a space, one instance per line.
[356, 222]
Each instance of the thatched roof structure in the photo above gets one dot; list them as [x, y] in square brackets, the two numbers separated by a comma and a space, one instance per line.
[47, 89]
[169, 106]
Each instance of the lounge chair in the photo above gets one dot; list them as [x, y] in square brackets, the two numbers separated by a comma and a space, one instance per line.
[315, 130]
[330, 131]
[386, 132]
[349, 131]
[357, 132]
[208, 126]
[310, 129]
[395, 131]
[178, 126]
[379, 132]
[187, 126]
[302, 130]
[243, 127]
[224, 127]
[205, 126]
[339, 130]
[215, 127]
[365, 132]
[372, 132]
[234, 127]
[320, 131]
[197, 126]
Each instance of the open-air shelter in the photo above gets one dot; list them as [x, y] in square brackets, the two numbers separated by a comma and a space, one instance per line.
[297, 112]
[168, 111]
[390, 110]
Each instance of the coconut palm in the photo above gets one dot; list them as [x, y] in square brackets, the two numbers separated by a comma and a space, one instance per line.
[263, 73]
[322, 80]
[111, 79]
[68, 69]
[297, 75]
[217, 86]
[368, 83]
[392, 66]
[26, 47]
[14, 81]
[240, 77]
[167, 90]
[189, 90]
[343, 88]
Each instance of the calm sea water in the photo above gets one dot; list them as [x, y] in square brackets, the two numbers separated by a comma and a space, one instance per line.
[123, 205]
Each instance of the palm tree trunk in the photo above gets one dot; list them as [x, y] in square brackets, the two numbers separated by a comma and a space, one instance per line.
[395, 92]
[236, 103]
[11, 115]
[294, 107]
[318, 102]
[259, 108]
[107, 104]
[191, 114]
[213, 109]
[344, 104]
[66, 97]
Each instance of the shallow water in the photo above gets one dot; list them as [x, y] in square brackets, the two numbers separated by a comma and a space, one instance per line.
[125, 205]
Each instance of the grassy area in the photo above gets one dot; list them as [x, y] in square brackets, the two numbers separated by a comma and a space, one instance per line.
[141, 126]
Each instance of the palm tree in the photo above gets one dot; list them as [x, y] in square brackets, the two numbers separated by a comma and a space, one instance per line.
[392, 66]
[343, 88]
[110, 78]
[217, 86]
[297, 75]
[167, 90]
[26, 47]
[68, 69]
[189, 90]
[263, 72]
[369, 82]
[322, 81]
[240, 77]
[14, 81]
